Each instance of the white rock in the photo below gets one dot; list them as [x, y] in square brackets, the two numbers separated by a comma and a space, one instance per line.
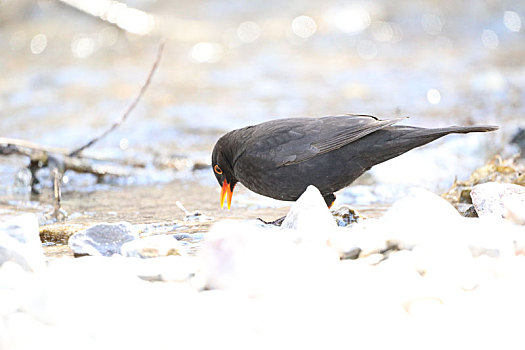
[25, 332]
[165, 268]
[309, 213]
[421, 216]
[490, 198]
[421, 205]
[491, 236]
[515, 209]
[103, 239]
[100, 302]
[20, 242]
[13, 279]
[363, 236]
[245, 257]
[153, 246]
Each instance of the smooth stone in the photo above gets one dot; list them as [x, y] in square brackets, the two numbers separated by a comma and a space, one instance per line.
[189, 237]
[20, 242]
[309, 213]
[104, 239]
[153, 246]
[471, 212]
[369, 236]
[346, 216]
[419, 206]
[59, 233]
[166, 268]
[344, 243]
[351, 254]
[13, 278]
[515, 210]
[489, 199]
[362, 239]
[245, 257]
[491, 236]
[421, 216]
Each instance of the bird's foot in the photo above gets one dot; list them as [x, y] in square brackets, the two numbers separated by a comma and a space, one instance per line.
[277, 222]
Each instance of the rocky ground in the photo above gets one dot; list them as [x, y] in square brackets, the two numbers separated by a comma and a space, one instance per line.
[420, 276]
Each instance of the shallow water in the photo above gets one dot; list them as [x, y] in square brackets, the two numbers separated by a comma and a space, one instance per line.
[69, 75]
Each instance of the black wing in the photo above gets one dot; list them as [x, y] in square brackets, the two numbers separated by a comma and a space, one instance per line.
[291, 141]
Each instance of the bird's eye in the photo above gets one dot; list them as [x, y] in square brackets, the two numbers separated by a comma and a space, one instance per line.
[217, 169]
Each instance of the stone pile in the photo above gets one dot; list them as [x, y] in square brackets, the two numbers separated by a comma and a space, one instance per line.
[421, 276]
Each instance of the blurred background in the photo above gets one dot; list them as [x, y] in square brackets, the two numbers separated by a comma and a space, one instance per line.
[71, 67]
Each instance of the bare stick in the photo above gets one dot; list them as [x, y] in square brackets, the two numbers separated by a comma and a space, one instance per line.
[34, 151]
[40, 158]
[58, 214]
[6, 142]
[130, 107]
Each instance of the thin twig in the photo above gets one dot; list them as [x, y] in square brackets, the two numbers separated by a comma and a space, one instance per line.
[6, 142]
[58, 214]
[10, 146]
[40, 157]
[130, 107]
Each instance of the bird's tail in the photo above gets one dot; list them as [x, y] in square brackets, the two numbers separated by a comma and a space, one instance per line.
[465, 129]
[427, 135]
[404, 138]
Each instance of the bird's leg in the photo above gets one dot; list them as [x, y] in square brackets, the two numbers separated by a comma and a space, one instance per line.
[329, 200]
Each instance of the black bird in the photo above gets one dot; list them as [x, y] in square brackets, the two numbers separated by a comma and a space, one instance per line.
[280, 158]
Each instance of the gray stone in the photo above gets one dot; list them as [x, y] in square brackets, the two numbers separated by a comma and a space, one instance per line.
[103, 239]
[153, 246]
[470, 212]
[351, 253]
[492, 198]
[309, 212]
[347, 216]
[20, 242]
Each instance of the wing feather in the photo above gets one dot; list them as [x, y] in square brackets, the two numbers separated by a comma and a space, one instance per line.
[290, 141]
[331, 141]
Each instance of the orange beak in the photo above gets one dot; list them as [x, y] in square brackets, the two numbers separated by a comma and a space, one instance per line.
[226, 189]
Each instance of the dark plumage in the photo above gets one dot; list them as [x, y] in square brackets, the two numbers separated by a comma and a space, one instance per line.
[280, 158]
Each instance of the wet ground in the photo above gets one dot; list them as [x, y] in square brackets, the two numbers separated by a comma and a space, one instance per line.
[68, 75]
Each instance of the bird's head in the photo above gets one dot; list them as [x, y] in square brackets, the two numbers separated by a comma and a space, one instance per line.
[223, 170]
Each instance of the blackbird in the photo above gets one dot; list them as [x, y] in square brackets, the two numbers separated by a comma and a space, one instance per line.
[280, 158]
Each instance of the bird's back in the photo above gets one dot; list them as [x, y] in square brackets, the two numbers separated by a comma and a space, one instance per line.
[279, 159]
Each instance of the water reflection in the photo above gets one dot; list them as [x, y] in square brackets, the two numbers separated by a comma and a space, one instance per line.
[38, 44]
[304, 26]
[248, 32]
[351, 19]
[431, 23]
[68, 75]
[490, 39]
[82, 46]
[130, 19]
[512, 21]
[206, 52]
[433, 96]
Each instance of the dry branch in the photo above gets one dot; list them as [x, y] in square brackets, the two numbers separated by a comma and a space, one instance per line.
[22, 147]
[44, 156]
[58, 160]
[130, 107]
